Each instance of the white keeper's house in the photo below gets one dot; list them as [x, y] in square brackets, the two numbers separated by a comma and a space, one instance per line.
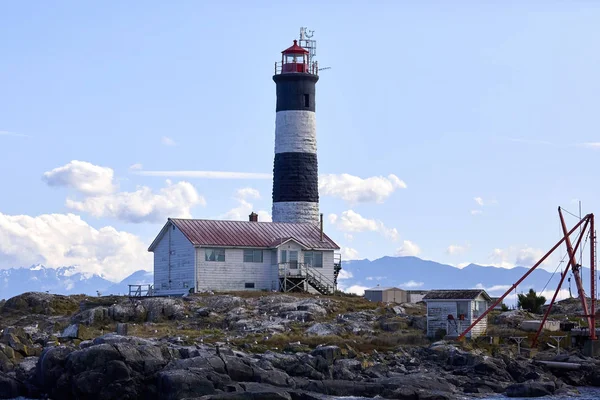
[192, 255]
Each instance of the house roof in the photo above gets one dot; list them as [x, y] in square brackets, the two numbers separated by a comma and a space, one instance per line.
[382, 289]
[222, 233]
[463, 294]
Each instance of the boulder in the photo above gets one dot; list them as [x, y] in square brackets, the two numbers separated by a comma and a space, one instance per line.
[329, 353]
[163, 308]
[42, 303]
[9, 387]
[178, 384]
[531, 389]
[324, 329]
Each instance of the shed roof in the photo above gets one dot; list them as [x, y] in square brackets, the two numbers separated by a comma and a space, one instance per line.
[382, 289]
[204, 232]
[463, 294]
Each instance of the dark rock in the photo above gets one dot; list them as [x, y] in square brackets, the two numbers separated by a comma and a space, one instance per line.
[177, 384]
[42, 303]
[531, 389]
[51, 367]
[9, 387]
[329, 353]
[122, 329]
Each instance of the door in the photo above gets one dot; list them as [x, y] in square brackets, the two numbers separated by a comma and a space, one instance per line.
[293, 259]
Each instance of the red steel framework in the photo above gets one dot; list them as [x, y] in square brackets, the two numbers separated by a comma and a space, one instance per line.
[589, 313]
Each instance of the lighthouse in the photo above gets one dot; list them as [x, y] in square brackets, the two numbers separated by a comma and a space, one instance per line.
[295, 168]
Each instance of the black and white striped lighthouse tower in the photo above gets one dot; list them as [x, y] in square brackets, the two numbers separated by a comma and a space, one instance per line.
[295, 170]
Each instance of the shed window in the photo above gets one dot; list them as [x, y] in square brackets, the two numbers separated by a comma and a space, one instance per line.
[253, 256]
[479, 308]
[313, 259]
[249, 285]
[214, 254]
[462, 308]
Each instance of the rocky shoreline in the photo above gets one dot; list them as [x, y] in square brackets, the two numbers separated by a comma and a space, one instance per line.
[243, 351]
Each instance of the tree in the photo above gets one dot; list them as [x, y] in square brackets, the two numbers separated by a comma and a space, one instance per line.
[531, 302]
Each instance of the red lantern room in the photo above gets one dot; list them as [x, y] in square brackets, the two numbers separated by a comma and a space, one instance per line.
[294, 59]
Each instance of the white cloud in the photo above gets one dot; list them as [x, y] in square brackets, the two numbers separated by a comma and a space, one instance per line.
[375, 278]
[244, 208]
[528, 256]
[7, 133]
[494, 288]
[411, 284]
[354, 189]
[521, 256]
[167, 141]
[478, 200]
[356, 289]
[345, 274]
[348, 253]
[83, 176]
[455, 249]
[348, 237]
[57, 240]
[351, 221]
[207, 174]
[174, 200]
[408, 248]
[476, 212]
[136, 167]
[592, 145]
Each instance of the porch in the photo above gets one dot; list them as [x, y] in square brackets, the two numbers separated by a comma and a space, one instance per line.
[297, 277]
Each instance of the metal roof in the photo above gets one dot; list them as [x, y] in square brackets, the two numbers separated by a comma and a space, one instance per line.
[463, 294]
[382, 289]
[203, 232]
[295, 49]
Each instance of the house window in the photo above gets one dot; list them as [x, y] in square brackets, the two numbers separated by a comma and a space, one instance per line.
[306, 101]
[249, 285]
[283, 257]
[255, 256]
[214, 254]
[313, 259]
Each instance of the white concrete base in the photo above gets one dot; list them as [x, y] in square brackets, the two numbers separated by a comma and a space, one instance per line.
[296, 211]
[295, 132]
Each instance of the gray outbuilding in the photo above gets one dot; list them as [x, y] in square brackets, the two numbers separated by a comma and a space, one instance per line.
[386, 295]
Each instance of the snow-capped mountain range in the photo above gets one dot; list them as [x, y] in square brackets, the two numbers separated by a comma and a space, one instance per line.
[63, 280]
[356, 275]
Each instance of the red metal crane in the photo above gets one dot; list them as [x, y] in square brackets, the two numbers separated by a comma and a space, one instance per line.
[589, 313]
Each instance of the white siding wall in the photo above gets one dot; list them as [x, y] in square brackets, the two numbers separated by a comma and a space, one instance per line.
[233, 273]
[327, 269]
[437, 317]
[177, 266]
[481, 327]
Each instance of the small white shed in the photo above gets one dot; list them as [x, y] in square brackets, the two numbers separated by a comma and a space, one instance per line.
[454, 310]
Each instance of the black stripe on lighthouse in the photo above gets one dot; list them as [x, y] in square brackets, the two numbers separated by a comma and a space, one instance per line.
[296, 177]
[295, 168]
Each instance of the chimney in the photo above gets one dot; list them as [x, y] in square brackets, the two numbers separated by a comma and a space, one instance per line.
[321, 227]
[253, 217]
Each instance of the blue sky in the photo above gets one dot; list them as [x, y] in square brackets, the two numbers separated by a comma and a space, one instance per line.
[494, 102]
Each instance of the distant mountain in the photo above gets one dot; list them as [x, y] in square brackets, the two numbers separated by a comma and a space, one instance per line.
[415, 273]
[404, 272]
[63, 280]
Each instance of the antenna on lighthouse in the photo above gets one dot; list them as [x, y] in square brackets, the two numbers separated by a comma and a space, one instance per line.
[308, 43]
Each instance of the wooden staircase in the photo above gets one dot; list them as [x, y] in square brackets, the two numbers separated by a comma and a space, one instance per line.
[298, 277]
